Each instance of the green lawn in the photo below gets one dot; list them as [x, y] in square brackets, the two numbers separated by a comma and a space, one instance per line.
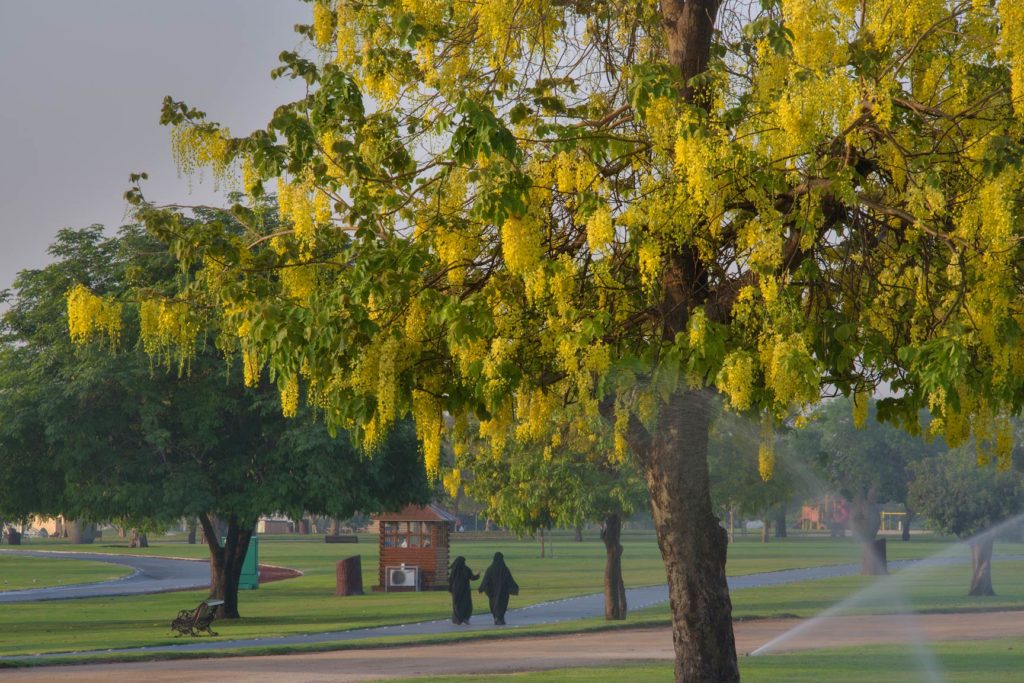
[307, 604]
[993, 661]
[17, 573]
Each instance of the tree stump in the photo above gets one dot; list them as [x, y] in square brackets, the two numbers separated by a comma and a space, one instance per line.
[349, 575]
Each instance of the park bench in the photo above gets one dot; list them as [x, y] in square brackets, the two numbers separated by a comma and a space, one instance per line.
[194, 621]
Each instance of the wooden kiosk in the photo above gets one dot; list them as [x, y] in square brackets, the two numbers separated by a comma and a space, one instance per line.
[414, 549]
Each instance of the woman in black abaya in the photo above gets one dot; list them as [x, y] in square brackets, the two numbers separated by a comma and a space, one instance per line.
[498, 584]
[459, 576]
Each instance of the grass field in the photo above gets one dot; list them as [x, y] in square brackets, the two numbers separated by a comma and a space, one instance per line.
[307, 604]
[994, 661]
[17, 573]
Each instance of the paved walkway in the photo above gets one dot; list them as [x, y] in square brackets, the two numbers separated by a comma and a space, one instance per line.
[570, 609]
[151, 575]
[533, 653]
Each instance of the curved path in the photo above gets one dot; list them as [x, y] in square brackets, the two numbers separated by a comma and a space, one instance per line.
[534, 653]
[151, 575]
[570, 609]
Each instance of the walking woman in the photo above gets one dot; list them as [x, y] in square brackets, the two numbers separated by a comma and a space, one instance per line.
[498, 584]
[459, 576]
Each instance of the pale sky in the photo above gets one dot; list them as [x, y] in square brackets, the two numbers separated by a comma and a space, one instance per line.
[81, 83]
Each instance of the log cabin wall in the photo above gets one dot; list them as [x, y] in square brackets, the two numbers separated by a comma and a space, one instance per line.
[420, 544]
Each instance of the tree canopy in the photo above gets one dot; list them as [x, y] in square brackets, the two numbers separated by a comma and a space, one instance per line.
[105, 433]
[538, 213]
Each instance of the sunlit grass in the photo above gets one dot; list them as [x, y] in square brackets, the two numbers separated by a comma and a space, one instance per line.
[307, 604]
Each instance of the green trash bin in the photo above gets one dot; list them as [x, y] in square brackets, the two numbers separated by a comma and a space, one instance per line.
[250, 578]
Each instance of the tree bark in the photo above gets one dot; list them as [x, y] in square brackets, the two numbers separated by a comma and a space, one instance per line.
[865, 521]
[579, 533]
[732, 525]
[138, 540]
[905, 535]
[692, 542]
[192, 532]
[226, 562]
[766, 529]
[81, 532]
[780, 522]
[981, 567]
[614, 586]
[541, 534]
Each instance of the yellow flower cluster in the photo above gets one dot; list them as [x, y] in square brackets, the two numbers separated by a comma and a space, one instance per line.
[766, 449]
[522, 244]
[295, 205]
[289, 390]
[649, 262]
[736, 379]
[1011, 15]
[600, 230]
[168, 329]
[535, 413]
[860, 408]
[791, 371]
[323, 23]
[452, 481]
[815, 42]
[90, 315]
[327, 141]
[662, 121]
[347, 36]
[195, 147]
[427, 414]
[574, 173]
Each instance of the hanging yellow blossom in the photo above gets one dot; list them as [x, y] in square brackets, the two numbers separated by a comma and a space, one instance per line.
[766, 450]
[90, 315]
[521, 244]
[323, 23]
[860, 408]
[290, 396]
[600, 231]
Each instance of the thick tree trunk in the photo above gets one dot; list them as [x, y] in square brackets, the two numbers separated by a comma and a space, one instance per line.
[226, 562]
[766, 529]
[192, 532]
[138, 540]
[614, 586]
[579, 533]
[981, 567]
[81, 532]
[780, 522]
[692, 541]
[873, 558]
[905, 535]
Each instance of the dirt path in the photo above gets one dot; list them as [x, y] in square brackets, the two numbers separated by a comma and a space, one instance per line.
[535, 653]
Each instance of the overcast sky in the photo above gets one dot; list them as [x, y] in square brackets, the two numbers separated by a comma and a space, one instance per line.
[81, 82]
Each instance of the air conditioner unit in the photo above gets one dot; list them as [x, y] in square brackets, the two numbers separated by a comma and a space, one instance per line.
[402, 577]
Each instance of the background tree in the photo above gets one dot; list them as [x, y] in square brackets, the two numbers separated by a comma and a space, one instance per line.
[738, 484]
[611, 208]
[869, 465]
[108, 435]
[530, 488]
[966, 500]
